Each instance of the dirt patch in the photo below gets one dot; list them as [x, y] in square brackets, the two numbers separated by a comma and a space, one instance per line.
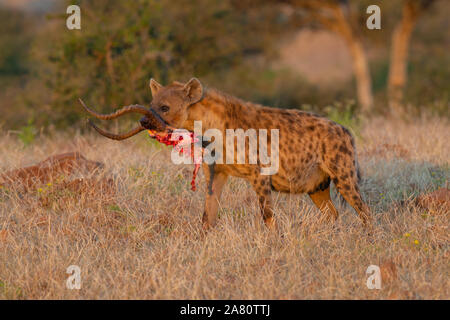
[388, 272]
[55, 183]
[435, 201]
[54, 168]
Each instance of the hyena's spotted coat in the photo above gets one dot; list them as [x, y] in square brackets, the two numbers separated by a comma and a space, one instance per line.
[313, 150]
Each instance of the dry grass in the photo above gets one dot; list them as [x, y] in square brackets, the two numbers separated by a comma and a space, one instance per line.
[141, 239]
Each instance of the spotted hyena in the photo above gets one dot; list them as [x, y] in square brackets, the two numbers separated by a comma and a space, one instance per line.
[313, 150]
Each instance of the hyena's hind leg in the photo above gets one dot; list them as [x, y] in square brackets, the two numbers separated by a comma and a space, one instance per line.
[342, 168]
[322, 200]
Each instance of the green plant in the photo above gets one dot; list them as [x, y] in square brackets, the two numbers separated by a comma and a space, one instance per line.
[344, 114]
[28, 133]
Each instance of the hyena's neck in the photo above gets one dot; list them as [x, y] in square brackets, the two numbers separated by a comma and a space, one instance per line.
[221, 111]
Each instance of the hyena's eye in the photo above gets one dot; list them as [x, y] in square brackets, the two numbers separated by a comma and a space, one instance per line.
[164, 108]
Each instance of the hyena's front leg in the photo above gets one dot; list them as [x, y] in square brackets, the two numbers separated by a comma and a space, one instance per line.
[215, 182]
[262, 186]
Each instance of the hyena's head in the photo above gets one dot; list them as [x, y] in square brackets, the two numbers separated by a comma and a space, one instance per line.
[168, 109]
[171, 103]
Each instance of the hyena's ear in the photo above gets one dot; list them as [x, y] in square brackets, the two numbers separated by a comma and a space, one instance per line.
[193, 90]
[154, 86]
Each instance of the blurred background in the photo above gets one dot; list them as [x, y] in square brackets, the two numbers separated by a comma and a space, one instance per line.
[313, 55]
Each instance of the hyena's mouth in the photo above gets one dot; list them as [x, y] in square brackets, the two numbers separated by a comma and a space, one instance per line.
[153, 121]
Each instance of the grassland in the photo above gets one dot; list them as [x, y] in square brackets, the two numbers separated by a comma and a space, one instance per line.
[141, 238]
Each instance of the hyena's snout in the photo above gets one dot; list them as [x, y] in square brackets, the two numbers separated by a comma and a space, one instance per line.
[153, 122]
[145, 122]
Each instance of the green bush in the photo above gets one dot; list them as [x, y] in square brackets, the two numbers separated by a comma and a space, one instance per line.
[27, 133]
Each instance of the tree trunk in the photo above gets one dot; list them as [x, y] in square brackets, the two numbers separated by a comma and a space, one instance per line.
[335, 17]
[399, 56]
[362, 74]
[342, 26]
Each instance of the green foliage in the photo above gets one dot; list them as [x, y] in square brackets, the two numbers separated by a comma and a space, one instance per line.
[115, 208]
[434, 87]
[279, 88]
[14, 49]
[9, 291]
[344, 114]
[27, 133]
[231, 45]
[439, 176]
[123, 44]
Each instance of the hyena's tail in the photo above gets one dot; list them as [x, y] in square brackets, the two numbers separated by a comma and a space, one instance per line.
[358, 170]
[347, 185]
